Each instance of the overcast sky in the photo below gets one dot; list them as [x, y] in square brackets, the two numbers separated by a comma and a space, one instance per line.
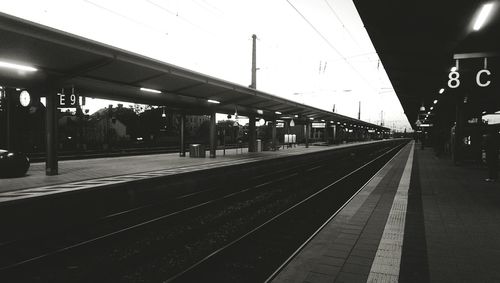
[316, 52]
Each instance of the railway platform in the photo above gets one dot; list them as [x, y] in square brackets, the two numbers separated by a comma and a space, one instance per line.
[419, 219]
[102, 172]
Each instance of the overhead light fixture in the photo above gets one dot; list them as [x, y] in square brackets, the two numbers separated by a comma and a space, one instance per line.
[277, 112]
[296, 116]
[292, 123]
[260, 112]
[441, 91]
[17, 67]
[163, 114]
[453, 69]
[149, 90]
[213, 101]
[435, 101]
[432, 107]
[422, 108]
[483, 15]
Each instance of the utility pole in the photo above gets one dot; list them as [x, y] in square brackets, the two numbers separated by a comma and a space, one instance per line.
[251, 118]
[359, 111]
[254, 62]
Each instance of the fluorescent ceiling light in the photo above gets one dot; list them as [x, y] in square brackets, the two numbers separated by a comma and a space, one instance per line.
[260, 112]
[277, 112]
[213, 101]
[17, 67]
[441, 91]
[150, 90]
[435, 101]
[432, 107]
[483, 15]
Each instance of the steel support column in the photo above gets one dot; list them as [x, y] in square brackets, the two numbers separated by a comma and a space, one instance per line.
[51, 163]
[334, 138]
[457, 153]
[182, 146]
[327, 138]
[251, 134]
[11, 98]
[213, 135]
[308, 130]
[273, 134]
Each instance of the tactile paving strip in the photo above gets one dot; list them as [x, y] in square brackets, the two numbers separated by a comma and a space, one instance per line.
[386, 265]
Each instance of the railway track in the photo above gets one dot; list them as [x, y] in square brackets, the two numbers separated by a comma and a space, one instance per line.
[183, 237]
[273, 241]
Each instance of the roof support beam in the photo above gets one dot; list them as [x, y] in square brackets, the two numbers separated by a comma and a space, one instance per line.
[475, 55]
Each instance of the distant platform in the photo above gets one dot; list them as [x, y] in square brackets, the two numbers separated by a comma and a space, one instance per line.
[91, 173]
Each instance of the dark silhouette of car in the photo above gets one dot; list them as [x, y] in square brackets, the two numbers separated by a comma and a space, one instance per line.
[13, 164]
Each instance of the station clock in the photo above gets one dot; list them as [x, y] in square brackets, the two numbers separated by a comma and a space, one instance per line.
[25, 98]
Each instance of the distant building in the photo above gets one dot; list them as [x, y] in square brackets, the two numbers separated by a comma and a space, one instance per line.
[193, 123]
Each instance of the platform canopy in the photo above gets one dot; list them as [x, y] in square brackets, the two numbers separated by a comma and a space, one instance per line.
[419, 42]
[98, 70]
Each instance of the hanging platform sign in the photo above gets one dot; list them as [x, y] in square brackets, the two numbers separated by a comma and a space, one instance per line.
[67, 100]
[482, 77]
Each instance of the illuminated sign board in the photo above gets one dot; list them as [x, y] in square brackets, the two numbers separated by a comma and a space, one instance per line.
[318, 125]
[67, 100]
[482, 78]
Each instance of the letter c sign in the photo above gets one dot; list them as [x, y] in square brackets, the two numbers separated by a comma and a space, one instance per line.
[478, 78]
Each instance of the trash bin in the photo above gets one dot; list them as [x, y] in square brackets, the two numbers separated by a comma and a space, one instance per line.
[196, 150]
[259, 145]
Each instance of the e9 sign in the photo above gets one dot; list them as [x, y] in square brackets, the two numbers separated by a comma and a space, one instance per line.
[67, 100]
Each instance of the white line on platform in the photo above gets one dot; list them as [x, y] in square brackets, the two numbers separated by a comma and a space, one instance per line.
[386, 265]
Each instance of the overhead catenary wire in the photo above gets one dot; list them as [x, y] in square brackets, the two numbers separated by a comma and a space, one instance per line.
[126, 17]
[177, 16]
[330, 45]
[342, 23]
